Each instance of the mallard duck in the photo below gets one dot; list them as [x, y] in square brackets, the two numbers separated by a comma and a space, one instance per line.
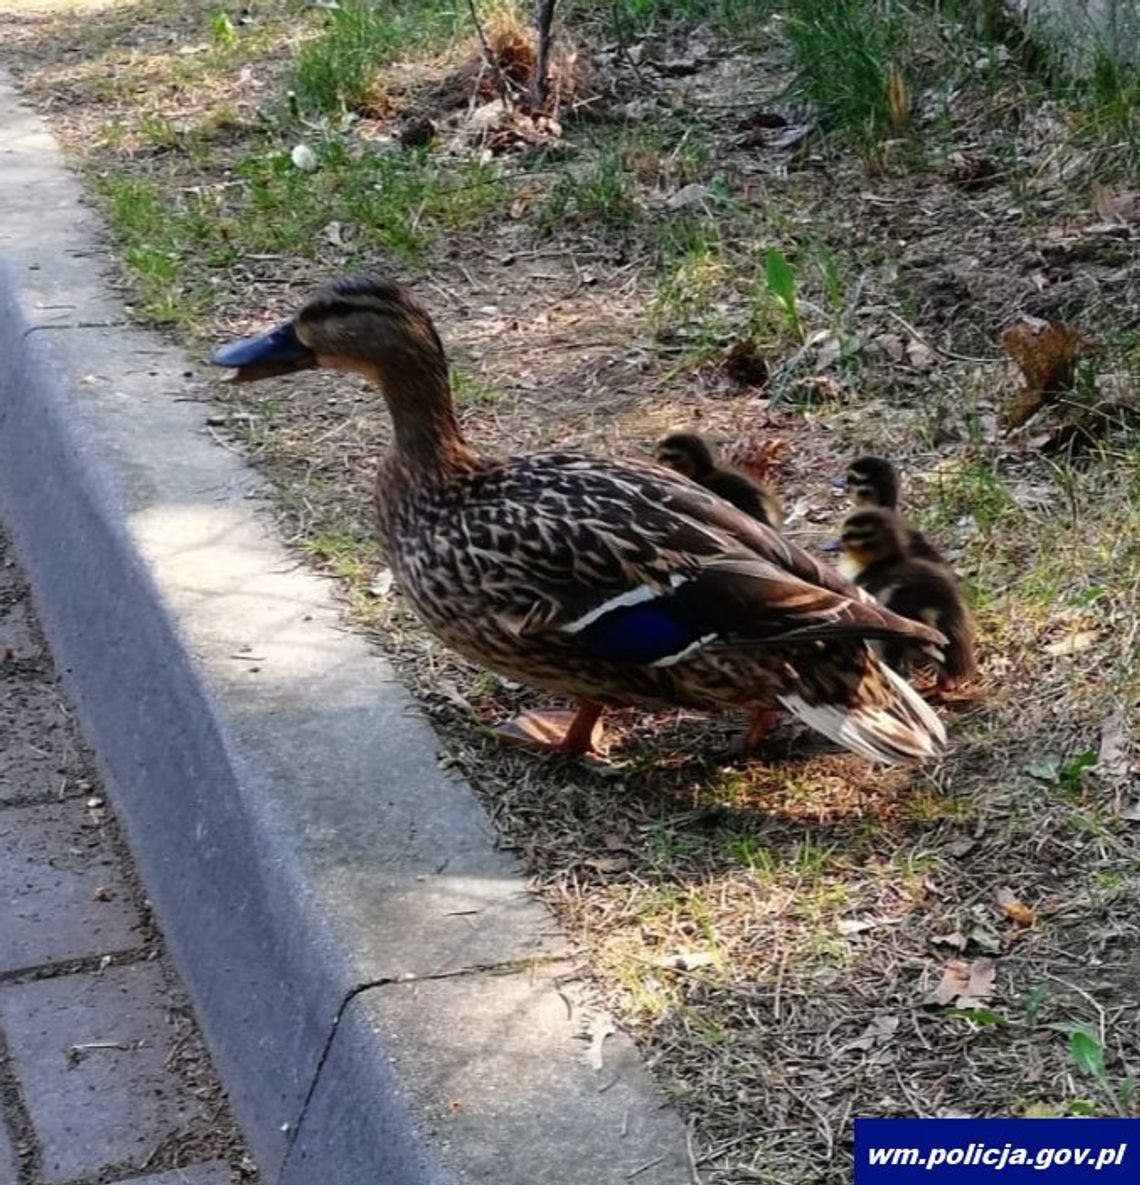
[609, 582]
[875, 545]
[690, 454]
[872, 482]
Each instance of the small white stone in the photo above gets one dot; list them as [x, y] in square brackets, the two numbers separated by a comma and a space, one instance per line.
[305, 158]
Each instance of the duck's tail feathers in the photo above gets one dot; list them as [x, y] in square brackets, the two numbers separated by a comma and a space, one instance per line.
[901, 730]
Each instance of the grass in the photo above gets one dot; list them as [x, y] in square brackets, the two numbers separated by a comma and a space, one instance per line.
[756, 927]
[336, 69]
[843, 51]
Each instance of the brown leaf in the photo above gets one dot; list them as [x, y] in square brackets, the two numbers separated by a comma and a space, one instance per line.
[608, 865]
[1046, 353]
[878, 1032]
[1014, 908]
[1114, 760]
[920, 355]
[1115, 207]
[1073, 644]
[758, 458]
[523, 201]
[965, 985]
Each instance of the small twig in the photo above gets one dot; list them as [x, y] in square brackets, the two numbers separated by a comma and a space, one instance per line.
[694, 1174]
[490, 58]
[938, 349]
[642, 1167]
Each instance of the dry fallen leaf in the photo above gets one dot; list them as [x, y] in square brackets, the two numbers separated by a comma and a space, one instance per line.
[920, 355]
[608, 865]
[1046, 353]
[1114, 760]
[1073, 644]
[758, 458]
[1014, 908]
[966, 985]
[1111, 206]
[878, 1032]
[382, 583]
[523, 201]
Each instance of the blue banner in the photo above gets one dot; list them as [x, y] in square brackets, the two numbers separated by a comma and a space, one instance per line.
[997, 1151]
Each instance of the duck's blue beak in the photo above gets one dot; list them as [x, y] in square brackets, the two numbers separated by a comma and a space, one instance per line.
[839, 483]
[832, 548]
[280, 351]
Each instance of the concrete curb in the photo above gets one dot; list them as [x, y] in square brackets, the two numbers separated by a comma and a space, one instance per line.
[374, 981]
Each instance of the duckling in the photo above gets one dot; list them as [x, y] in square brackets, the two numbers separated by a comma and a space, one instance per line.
[692, 456]
[874, 482]
[608, 582]
[875, 546]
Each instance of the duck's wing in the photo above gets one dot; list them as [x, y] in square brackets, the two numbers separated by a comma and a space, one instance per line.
[632, 564]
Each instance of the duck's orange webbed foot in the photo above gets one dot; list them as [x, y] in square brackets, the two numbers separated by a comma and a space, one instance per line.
[758, 725]
[950, 693]
[555, 730]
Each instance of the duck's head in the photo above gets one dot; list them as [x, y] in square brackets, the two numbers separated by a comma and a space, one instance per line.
[373, 327]
[871, 537]
[358, 323]
[686, 453]
[872, 481]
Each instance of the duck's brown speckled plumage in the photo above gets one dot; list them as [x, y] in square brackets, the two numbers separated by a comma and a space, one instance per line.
[518, 563]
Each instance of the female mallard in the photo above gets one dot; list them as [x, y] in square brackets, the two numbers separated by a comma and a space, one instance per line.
[872, 483]
[610, 582]
[690, 454]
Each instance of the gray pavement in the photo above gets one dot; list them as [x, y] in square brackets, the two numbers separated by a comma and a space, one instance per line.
[103, 1076]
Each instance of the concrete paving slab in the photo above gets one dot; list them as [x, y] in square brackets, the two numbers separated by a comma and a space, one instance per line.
[91, 1053]
[62, 893]
[493, 1077]
[215, 1173]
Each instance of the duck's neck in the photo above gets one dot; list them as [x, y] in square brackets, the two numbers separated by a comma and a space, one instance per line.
[428, 438]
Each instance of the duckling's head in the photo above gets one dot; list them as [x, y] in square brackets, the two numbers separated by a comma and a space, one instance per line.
[872, 481]
[686, 453]
[357, 323]
[872, 537]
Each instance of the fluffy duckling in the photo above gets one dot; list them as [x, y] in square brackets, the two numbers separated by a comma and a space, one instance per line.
[876, 548]
[873, 482]
[691, 455]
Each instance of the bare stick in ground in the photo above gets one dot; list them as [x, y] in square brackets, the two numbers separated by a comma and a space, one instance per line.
[543, 20]
[491, 58]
